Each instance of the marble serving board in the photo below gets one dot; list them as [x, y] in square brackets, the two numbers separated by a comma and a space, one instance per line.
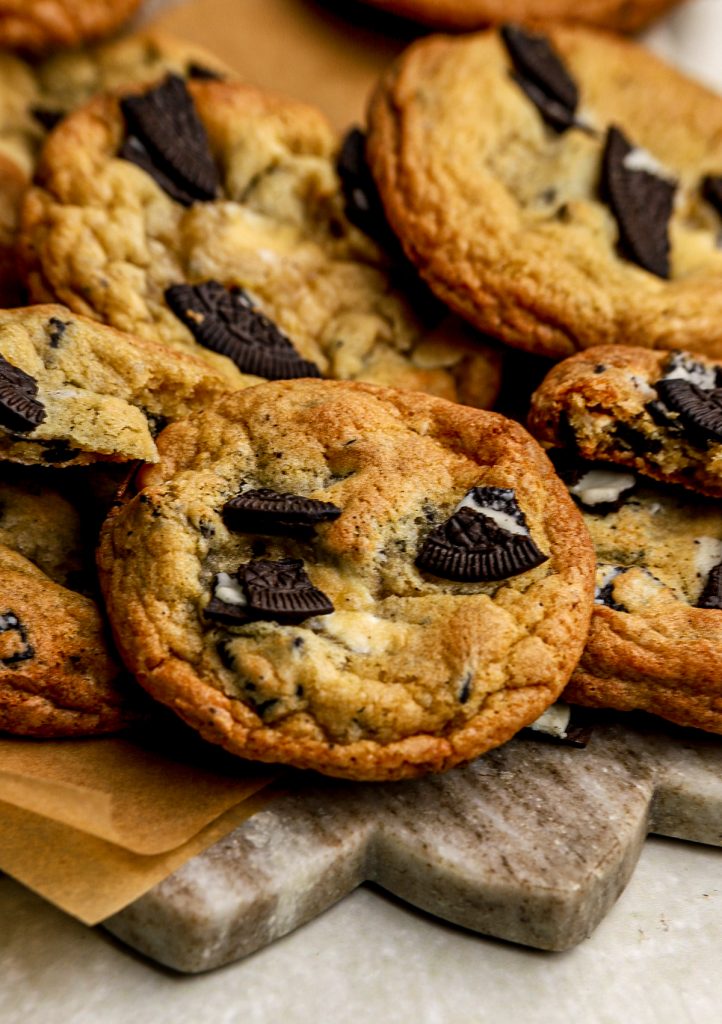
[532, 843]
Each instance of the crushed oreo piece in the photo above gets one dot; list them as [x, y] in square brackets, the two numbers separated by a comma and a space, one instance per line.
[712, 191]
[604, 593]
[600, 488]
[135, 152]
[270, 512]
[225, 321]
[56, 330]
[711, 596]
[498, 504]
[165, 121]
[699, 409]
[362, 202]
[200, 73]
[14, 644]
[641, 203]
[46, 117]
[563, 724]
[280, 591]
[20, 410]
[471, 547]
[542, 76]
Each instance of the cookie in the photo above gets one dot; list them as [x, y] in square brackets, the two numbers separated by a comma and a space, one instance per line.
[73, 391]
[659, 413]
[363, 581]
[656, 629]
[556, 190]
[37, 26]
[58, 675]
[224, 222]
[465, 15]
[39, 522]
[35, 96]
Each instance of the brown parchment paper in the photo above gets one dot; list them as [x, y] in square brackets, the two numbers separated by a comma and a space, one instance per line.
[88, 877]
[327, 53]
[143, 795]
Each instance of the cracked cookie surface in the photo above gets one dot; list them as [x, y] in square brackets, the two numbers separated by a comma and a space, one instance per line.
[651, 411]
[73, 391]
[504, 216]
[100, 234]
[390, 671]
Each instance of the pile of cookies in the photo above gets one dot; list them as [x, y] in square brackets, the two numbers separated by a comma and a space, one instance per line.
[250, 464]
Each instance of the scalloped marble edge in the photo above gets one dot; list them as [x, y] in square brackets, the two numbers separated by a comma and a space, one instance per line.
[531, 843]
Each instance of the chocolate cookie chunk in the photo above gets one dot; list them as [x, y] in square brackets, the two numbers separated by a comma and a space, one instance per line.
[329, 647]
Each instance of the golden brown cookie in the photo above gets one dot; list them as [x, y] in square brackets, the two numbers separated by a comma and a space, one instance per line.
[37, 26]
[659, 413]
[73, 391]
[367, 582]
[221, 217]
[465, 15]
[58, 676]
[656, 629]
[501, 172]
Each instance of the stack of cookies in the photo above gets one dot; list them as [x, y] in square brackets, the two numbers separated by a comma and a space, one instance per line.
[254, 379]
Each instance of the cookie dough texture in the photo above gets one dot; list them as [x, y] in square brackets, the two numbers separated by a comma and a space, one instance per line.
[660, 654]
[503, 216]
[464, 15]
[58, 676]
[37, 26]
[101, 236]
[600, 400]
[104, 393]
[410, 673]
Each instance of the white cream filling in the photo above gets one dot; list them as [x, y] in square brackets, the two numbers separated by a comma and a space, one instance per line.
[707, 554]
[554, 721]
[641, 385]
[502, 519]
[600, 486]
[704, 377]
[229, 590]
[640, 159]
[360, 632]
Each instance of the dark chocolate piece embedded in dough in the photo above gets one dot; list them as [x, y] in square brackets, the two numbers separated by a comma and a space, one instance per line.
[700, 409]
[166, 122]
[641, 203]
[225, 321]
[711, 596]
[270, 512]
[471, 548]
[20, 410]
[535, 60]
[14, 644]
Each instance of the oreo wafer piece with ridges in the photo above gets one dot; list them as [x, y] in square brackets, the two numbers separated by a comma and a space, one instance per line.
[271, 512]
[279, 591]
[471, 548]
[20, 410]
[711, 596]
[641, 202]
[135, 152]
[166, 122]
[225, 321]
[542, 76]
[362, 202]
[700, 409]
